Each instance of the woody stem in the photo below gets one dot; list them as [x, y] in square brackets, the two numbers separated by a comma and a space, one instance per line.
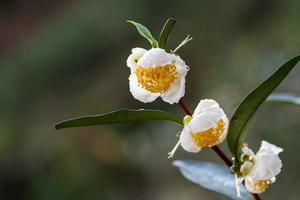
[218, 151]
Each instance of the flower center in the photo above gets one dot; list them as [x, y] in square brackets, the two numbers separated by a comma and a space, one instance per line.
[210, 136]
[156, 79]
[262, 185]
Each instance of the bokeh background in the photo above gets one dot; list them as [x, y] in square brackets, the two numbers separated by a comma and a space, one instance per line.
[62, 59]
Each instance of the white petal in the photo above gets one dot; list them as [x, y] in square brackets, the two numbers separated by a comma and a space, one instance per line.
[156, 57]
[269, 148]
[206, 105]
[266, 166]
[181, 67]
[204, 121]
[207, 120]
[140, 93]
[273, 179]
[175, 92]
[267, 163]
[226, 125]
[176, 89]
[249, 183]
[133, 58]
[247, 151]
[138, 51]
[187, 142]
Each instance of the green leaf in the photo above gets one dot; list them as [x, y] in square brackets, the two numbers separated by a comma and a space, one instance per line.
[145, 33]
[246, 109]
[165, 32]
[120, 116]
[284, 98]
[211, 176]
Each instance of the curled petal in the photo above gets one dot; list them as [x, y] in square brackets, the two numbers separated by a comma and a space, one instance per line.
[247, 151]
[204, 121]
[226, 125]
[208, 128]
[175, 92]
[177, 89]
[266, 166]
[182, 68]
[249, 183]
[133, 58]
[267, 163]
[140, 93]
[206, 105]
[156, 57]
[186, 141]
[266, 147]
[258, 186]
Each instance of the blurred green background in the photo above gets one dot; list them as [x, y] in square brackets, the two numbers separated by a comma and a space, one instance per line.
[61, 59]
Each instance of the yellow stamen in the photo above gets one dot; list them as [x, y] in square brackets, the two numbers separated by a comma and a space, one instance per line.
[262, 185]
[156, 79]
[210, 136]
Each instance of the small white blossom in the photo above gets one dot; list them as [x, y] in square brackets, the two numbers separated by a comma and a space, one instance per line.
[207, 127]
[260, 170]
[156, 73]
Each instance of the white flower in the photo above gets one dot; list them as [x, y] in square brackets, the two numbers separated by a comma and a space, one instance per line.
[260, 170]
[206, 128]
[156, 73]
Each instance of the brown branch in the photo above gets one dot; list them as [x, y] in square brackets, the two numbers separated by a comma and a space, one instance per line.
[185, 107]
[222, 155]
[218, 151]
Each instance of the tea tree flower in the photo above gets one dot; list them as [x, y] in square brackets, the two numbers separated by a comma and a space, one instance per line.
[260, 170]
[156, 73]
[207, 127]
